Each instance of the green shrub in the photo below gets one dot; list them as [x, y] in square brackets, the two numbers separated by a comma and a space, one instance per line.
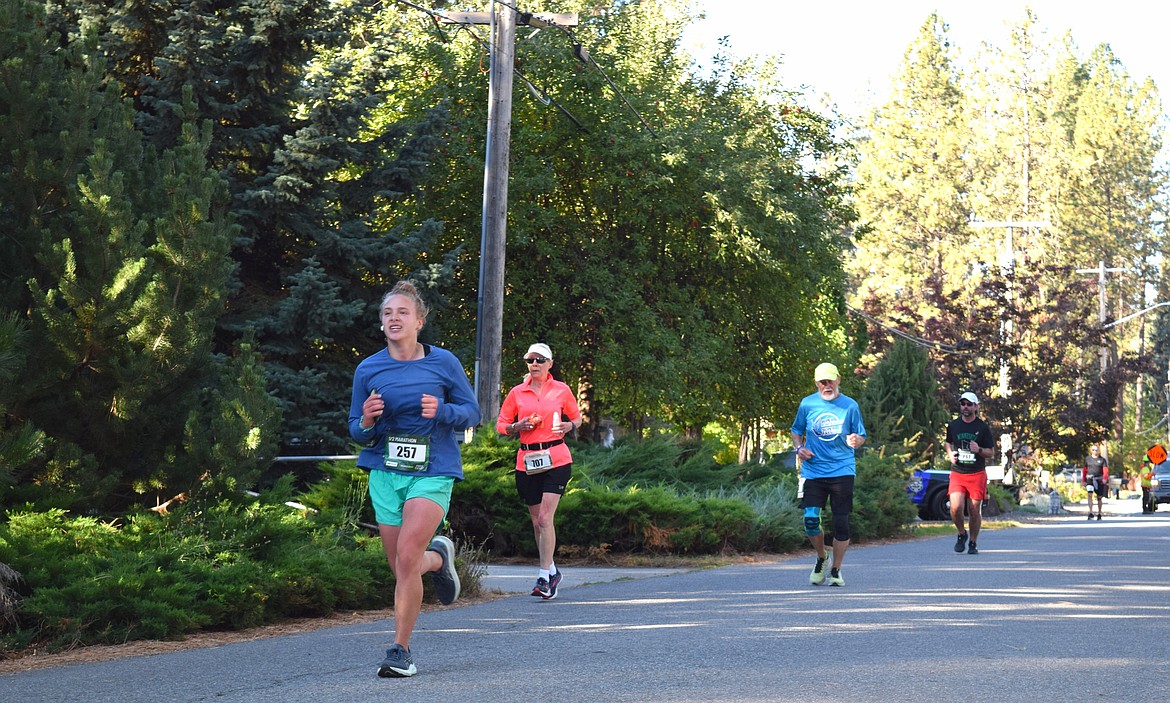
[779, 519]
[999, 500]
[232, 563]
[880, 506]
[485, 508]
[654, 519]
[1071, 491]
[663, 496]
[229, 561]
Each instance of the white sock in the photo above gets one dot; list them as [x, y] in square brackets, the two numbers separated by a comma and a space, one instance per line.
[543, 574]
[552, 567]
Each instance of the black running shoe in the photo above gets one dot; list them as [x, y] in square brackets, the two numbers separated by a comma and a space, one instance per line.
[972, 549]
[835, 578]
[962, 543]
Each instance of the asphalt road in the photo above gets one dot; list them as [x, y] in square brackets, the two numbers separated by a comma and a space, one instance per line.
[1067, 610]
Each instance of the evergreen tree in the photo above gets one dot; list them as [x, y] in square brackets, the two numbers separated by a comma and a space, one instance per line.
[1110, 197]
[901, 407]
[1050, 136]
[20, 442]
[914, 181]
[290, 88]
[123, 283]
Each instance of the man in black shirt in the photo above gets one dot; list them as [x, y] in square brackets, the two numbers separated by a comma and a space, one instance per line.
[1095, 477]
[969, 445]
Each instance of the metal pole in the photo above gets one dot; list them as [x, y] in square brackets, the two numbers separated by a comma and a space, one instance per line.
[490, 315]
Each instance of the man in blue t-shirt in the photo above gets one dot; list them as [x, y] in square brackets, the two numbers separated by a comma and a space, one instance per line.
[826, 431]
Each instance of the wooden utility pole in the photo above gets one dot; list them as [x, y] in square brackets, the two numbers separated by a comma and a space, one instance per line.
[489, 319]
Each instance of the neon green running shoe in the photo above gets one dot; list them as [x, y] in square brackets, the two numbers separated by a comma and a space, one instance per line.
[835, 578]
[817, 577]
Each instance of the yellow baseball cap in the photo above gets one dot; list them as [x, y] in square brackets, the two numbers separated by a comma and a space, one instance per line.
[826, 372]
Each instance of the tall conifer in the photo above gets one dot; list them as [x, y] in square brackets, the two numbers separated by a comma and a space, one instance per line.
[123, 281]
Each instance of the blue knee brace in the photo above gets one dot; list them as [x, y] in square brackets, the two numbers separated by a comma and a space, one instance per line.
[812, 521]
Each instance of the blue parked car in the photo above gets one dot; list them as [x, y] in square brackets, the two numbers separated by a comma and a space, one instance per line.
[928, 490]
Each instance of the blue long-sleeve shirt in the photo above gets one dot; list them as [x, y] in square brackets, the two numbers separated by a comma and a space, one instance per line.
[402, 385]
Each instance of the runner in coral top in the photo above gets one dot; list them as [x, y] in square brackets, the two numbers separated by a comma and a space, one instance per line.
[539, 411]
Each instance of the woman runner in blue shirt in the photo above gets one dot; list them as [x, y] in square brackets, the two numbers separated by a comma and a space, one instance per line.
[408, 402]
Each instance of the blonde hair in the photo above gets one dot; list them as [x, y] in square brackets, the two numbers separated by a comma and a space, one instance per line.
[408, 289]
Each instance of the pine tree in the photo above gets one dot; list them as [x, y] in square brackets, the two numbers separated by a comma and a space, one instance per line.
[20, 442]
[124, 281]
[291, 89]
[900, 404]
[914, 180]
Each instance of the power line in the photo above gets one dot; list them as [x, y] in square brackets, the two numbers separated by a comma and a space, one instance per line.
[918, 341]
[544, 98]
[581, 53]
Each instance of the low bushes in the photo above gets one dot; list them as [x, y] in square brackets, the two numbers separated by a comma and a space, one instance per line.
[233, 561]
[663, 496]
[232, 564]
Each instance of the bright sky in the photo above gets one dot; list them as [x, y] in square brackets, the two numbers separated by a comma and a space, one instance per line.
[849, 50]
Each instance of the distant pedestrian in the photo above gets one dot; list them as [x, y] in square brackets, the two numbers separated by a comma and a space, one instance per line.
[540, 411]
[969, 445]
[1096, 478]
[826, 431]
[408, 402]
[1149, 503]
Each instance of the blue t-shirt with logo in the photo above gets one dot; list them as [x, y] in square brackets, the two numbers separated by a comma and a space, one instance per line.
[825, 424]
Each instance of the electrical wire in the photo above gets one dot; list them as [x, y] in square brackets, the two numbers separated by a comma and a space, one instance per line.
[916, 340]
[586, 58]
[1155, 426]
[540, 94]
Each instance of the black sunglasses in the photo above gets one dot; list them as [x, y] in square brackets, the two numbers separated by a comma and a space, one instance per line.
[966, 402]
[536, 360]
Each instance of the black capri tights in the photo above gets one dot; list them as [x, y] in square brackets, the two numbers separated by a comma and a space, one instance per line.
[838, 492]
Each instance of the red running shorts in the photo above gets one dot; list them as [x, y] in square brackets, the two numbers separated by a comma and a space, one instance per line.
[974, 485]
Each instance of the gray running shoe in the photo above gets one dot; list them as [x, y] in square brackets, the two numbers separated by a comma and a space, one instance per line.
[397, 664]
[446, 579]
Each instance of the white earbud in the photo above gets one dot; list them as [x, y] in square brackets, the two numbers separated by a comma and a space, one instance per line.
[382, 327]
